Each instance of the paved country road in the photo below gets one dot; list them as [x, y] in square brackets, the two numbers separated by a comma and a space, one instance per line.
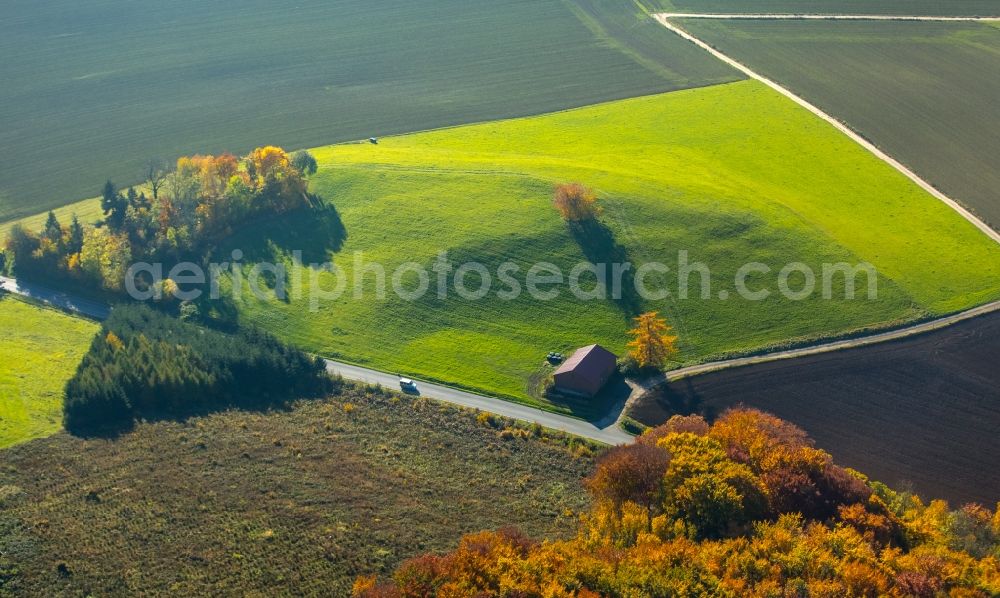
[827, 347]
[64, 301]
[607, 431]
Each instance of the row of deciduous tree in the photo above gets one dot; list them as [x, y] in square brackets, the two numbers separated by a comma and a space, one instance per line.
[192, 206]
[144, 363]
[744, 507]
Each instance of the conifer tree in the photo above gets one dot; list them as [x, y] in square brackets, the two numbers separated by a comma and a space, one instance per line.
[53, 230]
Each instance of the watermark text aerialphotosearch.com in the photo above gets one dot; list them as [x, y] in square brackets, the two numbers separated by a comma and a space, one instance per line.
[508, 281]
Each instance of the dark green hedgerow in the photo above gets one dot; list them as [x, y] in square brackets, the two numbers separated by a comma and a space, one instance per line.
[144, 363]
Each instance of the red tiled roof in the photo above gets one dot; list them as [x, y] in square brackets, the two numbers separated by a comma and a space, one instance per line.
[587, 369]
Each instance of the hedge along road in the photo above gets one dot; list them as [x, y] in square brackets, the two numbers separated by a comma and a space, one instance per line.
[664, 19]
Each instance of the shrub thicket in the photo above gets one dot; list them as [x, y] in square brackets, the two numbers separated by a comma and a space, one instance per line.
[146, 364]
[203, 200]
[746, 506]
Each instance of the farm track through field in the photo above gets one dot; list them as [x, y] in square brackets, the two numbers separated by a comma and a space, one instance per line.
[827, 347]
[804, 17]
[664, 19]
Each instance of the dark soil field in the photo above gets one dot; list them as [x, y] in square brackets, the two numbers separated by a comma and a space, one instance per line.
[287, 503]
[854, 7]
[93, 90]
[926, 93]
[923, 411]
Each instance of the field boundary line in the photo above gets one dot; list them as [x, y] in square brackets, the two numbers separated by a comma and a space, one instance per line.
[663, 18]
[820, 17]
[828, 347]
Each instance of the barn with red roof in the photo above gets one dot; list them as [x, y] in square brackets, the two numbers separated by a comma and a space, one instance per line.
[586, 372]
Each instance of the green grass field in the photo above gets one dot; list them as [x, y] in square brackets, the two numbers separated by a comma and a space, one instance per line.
[94, 90]
[924, 92]
[39, 351]
[858, 7]
[87, 210]
[731, 173]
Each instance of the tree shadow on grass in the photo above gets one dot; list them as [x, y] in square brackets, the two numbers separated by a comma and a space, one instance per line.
[316, 233]
[219, 313]
[599, 245]
[310, 235]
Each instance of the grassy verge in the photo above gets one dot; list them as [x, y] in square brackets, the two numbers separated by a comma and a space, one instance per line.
[39, 352]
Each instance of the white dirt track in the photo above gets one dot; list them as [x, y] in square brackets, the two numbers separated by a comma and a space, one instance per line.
[665, 20]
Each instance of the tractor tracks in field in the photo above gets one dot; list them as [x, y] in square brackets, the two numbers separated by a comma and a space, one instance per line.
[819, 17]
[665, 20]
[648, 385]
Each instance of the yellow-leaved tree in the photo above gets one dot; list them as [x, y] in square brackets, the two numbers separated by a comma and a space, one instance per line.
[652, 344]
[269, 161]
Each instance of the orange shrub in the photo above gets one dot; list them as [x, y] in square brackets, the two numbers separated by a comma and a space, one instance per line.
[576, 202]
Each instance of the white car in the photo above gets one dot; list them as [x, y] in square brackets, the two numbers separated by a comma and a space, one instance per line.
[407, 384]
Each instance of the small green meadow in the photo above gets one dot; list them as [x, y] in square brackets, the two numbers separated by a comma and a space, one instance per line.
[39, 351]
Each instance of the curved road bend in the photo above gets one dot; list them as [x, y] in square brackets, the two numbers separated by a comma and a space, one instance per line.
[58, 299]
[607, 432]
[663, 18]
[610, 434]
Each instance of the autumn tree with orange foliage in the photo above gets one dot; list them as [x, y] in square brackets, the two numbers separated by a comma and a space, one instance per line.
[268, 161]
[576, 203]
[632, 473]
[202, 200]
[746, 506]
[652, 345]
